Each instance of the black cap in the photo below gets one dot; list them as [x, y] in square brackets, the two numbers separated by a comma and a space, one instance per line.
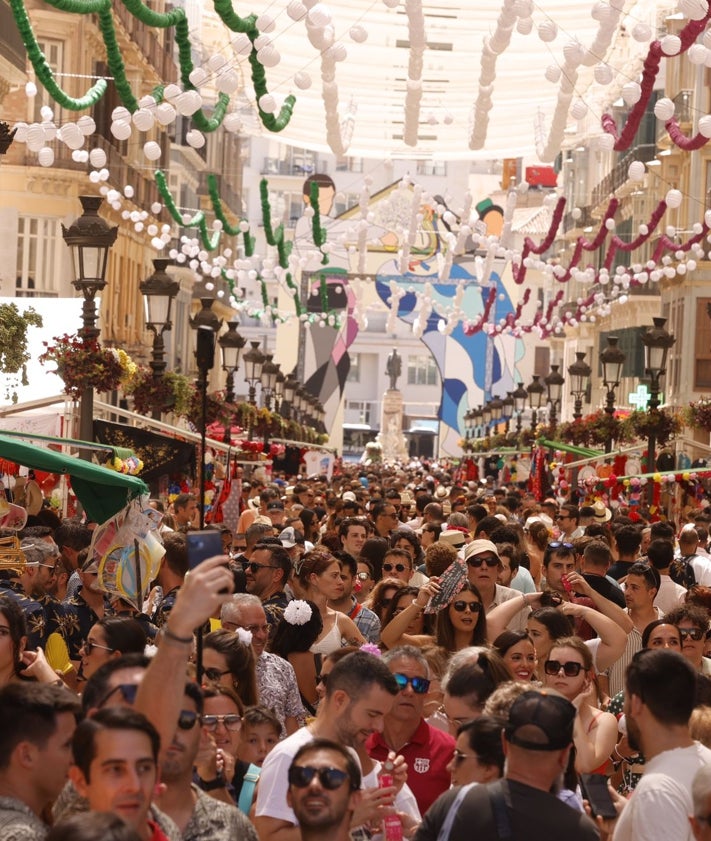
[541, 720]
[275, 506]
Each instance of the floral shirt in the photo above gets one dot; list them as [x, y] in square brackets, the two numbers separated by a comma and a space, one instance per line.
[213, 820]
[34, 614]
[278, 690]
[19, 823]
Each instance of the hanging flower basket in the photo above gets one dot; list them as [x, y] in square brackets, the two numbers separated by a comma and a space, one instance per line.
[664, 423]
[84, 364]
[698, 414]
[169, 392]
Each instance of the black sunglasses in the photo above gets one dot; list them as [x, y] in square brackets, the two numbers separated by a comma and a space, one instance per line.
[558, 545]
[460, 606]
[214, 674]
[302, 776]
[90, 645]
[420, 685]
[391, 567]
[694, 633]
[128, 693]
[570, 668]
[254, 567]
[489, 561]
[187, 719]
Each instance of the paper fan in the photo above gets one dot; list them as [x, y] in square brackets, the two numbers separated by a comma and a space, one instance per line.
[587, 472]
[450, 583]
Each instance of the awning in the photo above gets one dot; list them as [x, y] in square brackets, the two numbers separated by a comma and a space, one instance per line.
[358, 427]
[102, 492]
[423, 426]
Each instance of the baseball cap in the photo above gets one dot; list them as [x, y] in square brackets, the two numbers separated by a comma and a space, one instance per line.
[288, 537]
[478, 547]
[275, 506]
[348, 496]
[454, 537]
[540, 720]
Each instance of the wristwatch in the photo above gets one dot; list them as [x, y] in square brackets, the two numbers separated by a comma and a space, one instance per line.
[211, 785]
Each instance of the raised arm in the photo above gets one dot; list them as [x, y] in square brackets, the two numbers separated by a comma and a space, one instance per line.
[499, 617]
[605, 606]
[612, 638]
[393, 634]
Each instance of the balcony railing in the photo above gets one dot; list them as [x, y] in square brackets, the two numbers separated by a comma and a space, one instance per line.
[275, 166]
[618, 174]
[158, 55]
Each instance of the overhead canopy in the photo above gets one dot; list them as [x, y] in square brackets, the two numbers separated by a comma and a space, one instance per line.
[102, 492]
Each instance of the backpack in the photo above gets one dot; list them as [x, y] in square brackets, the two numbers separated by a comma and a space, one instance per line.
[681, 571]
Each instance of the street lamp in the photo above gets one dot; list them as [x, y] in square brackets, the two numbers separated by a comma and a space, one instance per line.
[535, 398]
[159, 290]
[508, 409]
[554, 383]
[579, 373]
[612, 360]
[657, 341]
[287, 401]
[279, 389]
[497, 408]
[206, 324]
[253, 361]
[486, 416]
[520, 398]
[90, 238]
[231, 344]
[268, 378]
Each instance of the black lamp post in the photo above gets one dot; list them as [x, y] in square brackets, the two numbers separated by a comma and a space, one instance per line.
[579, 373]
[90, 238]
[486, 416]
[554, 383]
[476, 422]
[268, 378]
[206, 324]
[497, 409]
[159, 290]
[657, 341]
[279, 389]
[520, 398]
[612, 360]
[287, 401]
[231, 344]
[508, 409]
[535, 391]
[468, 424]
[253, 361]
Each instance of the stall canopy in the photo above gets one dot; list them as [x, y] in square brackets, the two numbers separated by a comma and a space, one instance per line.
[102, 492]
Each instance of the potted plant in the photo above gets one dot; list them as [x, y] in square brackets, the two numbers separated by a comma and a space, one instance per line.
[84, 363]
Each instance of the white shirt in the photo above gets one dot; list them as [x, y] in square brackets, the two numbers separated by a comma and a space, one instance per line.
[273, 781]
[670, 594]
[660, 806]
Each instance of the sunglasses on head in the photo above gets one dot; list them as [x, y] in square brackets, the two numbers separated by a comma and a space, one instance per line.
[397, 567]
[570, 668]
[128, 692]
[420, 685]
[231, 722]
[460, 606]
[557, 544]
[490, 561]
[693, 633]
[302, 776]
[187, 719]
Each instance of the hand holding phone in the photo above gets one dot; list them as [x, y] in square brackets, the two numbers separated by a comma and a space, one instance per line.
[596, 792]
[203, 545]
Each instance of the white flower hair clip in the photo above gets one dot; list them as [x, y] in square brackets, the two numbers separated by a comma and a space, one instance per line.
[244, 636]
[297, 612]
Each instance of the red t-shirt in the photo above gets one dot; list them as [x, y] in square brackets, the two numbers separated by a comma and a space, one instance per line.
[427, 755]
[158, 834]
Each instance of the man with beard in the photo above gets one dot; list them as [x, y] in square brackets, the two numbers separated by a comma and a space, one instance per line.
[359, 693]
[198, 816]
[660, 687]
[324, 783]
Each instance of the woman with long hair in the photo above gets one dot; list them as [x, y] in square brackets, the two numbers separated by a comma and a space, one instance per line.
[108, 638]
[319, 579]
[297, 631]
[381, 597]
[229, 662]
[537, 536]
[13, 638]
[519, 653]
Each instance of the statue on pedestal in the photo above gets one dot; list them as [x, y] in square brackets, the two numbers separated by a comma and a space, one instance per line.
[393, 368]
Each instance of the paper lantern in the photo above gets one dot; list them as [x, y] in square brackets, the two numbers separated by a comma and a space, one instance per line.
[97, 157]
[50, 131]
[319, 15]
[188, 103]
[603, 74]
[605, 142]
[705, 125]
[664, 109]
[46, 113]
[631, 92]
[697, 54]
[547, 31]
[143, 119]
[20, 132]
[674, 198]
[579, 110]
[302, 80]
[198, 76]
[358, 33]
[30, 90]
[694, 9]
[152, 150]
[35, 137]
[120, 113]
[552, 73]
[170, 92]
[296, 10]
[670, 44]
[242, 45]
[121, 129]
[635, 171]
[265, 23]
[216, 62]
[227, 82]
[165, 114]
[269, 56]
[195, 138]
[86, 125]
[232, 123]
[524, 26]
[46, 156]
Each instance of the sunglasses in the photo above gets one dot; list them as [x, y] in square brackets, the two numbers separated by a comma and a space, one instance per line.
[302, 776]
[570, 668]
[490, 561]
[128, 693]
[362, 576]
[420, 685]
[693, 633]
[459, 757]
[90, 645]
[51, 567]
[215, 674]
[231, 722]
[558, 545]
[187, 719]
[460, 606]
[391, 567]
[254, 567]
[322, 679]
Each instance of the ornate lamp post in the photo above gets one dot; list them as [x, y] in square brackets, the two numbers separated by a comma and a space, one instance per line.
[657, 341]
[206, 324]
[268, 378]
[520, 398]
[231, 344]
[486, 416]
[253, 361]
[535, 391]
[90, 238]
[497, 410]
[287, 402]
[508, 409]
[579, 373]
[554, 383]
[279, 389]
[612, 360]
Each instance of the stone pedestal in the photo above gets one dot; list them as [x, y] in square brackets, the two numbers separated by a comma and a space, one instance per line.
[390, 437]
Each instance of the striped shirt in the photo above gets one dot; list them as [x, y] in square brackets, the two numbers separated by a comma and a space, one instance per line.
[616, 672]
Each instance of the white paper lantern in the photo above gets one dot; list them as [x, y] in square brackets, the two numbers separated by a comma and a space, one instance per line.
[267, 103]
[674, 198]
[232, 122]
[188, 103]
[524, 26]
[552, 73]
[170, 92]
[579, 110]
[152, 150]
[143, 119]
[358, 33]
[697, 54]
[670, 44]
[302, 80]
[30, 90]
[195, 138]
[338, 52]
[50, 131]
[265, 23]
[46, 113]
[631, 92]
[296, 10]
[21, 132]
[35, 137]
[603, 74]
[694, 9]
[269, 56]
[198, 76]
[319, 15]
[641, 32]
[165, 114]
[128, 191]
[45, 156]
[97, 157]
[227, 82]
[548, 31]
[242, 45]
[635, 171]
[120, 113]
[86, 125]
[216, 62]
[605, 142]
[705, 125]
[664, 109]
[147, 101]
[120, 129]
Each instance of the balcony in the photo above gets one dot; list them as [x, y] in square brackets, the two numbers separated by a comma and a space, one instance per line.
[618, 174]
[11, 46]
[158, 55]
[571, 224]
[276, 166]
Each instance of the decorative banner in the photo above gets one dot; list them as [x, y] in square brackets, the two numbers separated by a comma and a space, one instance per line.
[319, 463]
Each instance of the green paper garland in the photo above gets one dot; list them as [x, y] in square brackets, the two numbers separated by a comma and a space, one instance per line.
[317, 231]
[276, 238]
[197, 220]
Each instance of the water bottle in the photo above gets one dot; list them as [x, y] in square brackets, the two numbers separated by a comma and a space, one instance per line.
[392, 828]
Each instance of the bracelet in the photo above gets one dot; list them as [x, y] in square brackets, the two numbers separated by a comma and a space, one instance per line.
[523, 596]
[211, 785]
[418, 606]
[171, 636]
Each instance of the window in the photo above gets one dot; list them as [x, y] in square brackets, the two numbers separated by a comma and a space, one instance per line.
[542, 361]
[422, 370]
[358, 411]
[54, 53]
[354, 370]
[39, 257]
[431, 168]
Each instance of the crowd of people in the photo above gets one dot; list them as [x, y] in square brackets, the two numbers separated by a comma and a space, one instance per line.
[391, 653]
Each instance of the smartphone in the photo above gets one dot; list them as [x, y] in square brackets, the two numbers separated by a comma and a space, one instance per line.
[203, 545]
[596, 792]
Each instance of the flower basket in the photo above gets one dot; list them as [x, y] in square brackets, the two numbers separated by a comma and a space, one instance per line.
[84, 363]
[698, 414]
[169, 392]
[664, 423]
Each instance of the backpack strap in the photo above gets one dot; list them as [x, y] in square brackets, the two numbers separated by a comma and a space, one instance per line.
[249, 783]
[446, 828]
[500, 805]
